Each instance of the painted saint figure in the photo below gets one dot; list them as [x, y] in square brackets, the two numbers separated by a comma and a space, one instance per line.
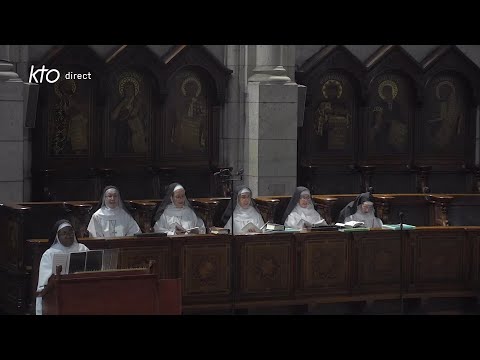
[129, 117]
[189, 132]
[332, 118]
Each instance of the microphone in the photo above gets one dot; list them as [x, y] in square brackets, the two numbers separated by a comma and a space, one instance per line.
[400, 215]
[240, 172]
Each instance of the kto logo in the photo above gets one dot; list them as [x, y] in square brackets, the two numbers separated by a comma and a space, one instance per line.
[51, 75]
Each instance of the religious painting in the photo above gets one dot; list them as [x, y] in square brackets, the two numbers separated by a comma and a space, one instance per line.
[333, 115]
[390, 109]
[69, 117]
[129, 114]
[188, 113]
[443, 129]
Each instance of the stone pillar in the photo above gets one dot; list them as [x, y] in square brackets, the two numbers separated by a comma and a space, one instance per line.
[233, 124]
[270, 144]
[269, 65]
[11, 130]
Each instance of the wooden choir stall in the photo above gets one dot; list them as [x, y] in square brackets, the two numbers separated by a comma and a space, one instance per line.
[439, 259]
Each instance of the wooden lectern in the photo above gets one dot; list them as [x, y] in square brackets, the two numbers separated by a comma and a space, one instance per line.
[112, 292]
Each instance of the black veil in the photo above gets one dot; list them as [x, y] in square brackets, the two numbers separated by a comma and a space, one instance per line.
[124, 205]
[228, 211]
[167, 200]
[351, 207]
[293, 202]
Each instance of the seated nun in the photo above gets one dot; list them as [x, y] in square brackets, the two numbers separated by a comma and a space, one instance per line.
[175, 215]
[62, 240]
[300, 212]
[366, 214]
[245, 212]
[351, 207]
[113, 217]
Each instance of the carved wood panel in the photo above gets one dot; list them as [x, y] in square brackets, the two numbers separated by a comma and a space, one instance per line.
[322, 264]
[377, 261]
[140, 257]
[12, 242]
[439, 260]
[473, 257]
[206, 269]
[265, 265]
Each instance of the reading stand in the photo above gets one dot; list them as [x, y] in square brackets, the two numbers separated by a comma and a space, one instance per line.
[112, 292]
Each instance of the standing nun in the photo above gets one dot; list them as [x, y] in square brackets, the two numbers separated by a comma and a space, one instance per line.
[62, 240]
[175, 215]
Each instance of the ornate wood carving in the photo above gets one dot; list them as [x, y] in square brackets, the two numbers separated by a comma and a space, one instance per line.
[440, 208]
[79, 217]
[377, 262]
[322, 263]
[267, 208]
[265, 265]
[382, 207]
[140, 257]
[206, 269]
[324, 207]
[439, 260]
[144, 214]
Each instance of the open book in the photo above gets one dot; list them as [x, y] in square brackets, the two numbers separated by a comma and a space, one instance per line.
[251, 228]
[351, 224]
[193, 230]
[93, 260]
[309, 225]
[273, 227]
[219, 230]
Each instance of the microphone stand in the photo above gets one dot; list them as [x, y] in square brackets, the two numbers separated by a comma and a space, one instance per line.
[400, 214]
[226, 176]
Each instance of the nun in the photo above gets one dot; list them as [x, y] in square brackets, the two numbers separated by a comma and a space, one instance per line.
[175, 214]
[245, 212]
[351, 207]
[112, 217]
[300, 212]
[62, 240]
[365, 213]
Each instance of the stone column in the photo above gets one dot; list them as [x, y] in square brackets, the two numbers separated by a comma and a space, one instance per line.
[11, 130]
[268, 65]
[270, 144]
[233, 124]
